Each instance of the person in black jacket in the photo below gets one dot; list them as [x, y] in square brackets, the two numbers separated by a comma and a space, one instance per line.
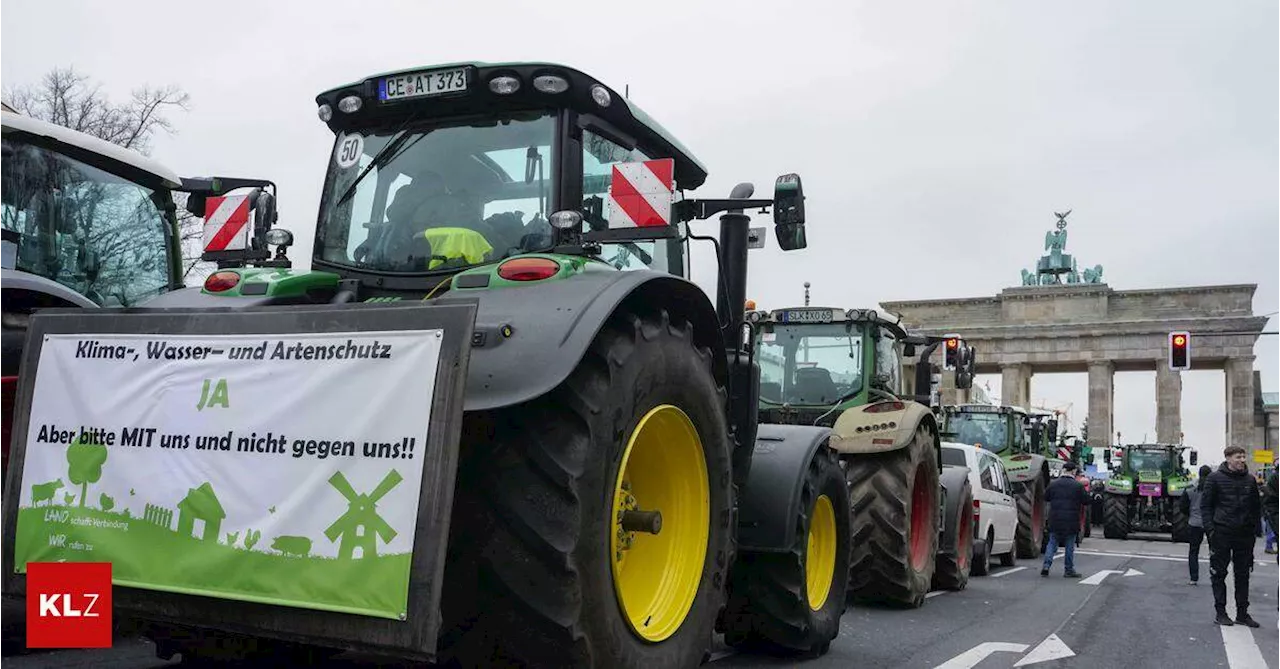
[1066, 497]
[1231, 507]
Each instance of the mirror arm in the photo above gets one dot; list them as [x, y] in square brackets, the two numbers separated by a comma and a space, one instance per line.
[688, 210]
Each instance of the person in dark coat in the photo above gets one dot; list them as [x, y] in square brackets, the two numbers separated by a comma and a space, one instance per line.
[1065, 497]
[1270, 502]
[1231, 507]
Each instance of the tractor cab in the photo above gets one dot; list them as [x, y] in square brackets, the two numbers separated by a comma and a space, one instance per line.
[1003, 430]
[818, 361]
[449, 168]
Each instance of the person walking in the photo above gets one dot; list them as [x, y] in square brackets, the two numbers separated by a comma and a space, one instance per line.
[1230, 508]
[1195, 522]
[1065, 497]
[1270, 501]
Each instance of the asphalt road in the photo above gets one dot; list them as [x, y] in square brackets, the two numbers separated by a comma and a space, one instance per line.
[1145, 615]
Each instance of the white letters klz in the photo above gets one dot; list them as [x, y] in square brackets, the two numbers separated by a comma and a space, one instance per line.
[49, 606]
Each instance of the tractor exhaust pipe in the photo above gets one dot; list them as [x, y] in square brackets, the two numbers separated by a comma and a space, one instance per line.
[731, 296]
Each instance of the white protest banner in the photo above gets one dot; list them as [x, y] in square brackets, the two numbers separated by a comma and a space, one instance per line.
[283, 469]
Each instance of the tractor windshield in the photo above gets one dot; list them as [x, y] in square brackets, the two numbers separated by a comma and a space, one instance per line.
[95, 233]
[990, 430]
[812, 365]
[441, 196]
[1150, 460]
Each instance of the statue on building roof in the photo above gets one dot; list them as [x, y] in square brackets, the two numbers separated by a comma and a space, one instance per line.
[1057, 267]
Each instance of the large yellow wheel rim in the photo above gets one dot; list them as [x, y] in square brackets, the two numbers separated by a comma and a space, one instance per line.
[656, 576]
[820, 558]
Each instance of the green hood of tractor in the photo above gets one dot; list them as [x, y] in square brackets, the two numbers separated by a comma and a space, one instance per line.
[273, 282]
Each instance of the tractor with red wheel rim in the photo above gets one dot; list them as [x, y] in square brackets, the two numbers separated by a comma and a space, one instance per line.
[843, 369]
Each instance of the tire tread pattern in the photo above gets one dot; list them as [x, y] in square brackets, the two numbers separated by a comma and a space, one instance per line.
[880, 492]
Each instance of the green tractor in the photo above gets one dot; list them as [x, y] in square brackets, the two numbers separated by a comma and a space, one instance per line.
[844, 369]
[86, 223]
[1143, 493]
[612, 504]
[1019, 439]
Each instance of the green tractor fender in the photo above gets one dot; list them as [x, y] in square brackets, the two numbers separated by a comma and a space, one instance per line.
[527, 338]
[1177, 486]
[881, 427]
[1119, 485]
[766, 513]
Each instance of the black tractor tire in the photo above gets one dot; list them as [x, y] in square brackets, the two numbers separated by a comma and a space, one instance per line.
[769, 602]
[883, 491]
[1088, 521]
[1115, 520]
[528, 575]
[1029, 539]
[1009, 559]
[982, 556]
[1178, 519]
[955, 557]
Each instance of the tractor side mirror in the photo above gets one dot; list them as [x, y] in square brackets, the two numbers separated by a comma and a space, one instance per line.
[1088, 460]
[788, 212]
[1195, 458]
[1053, 430]
[195, 205]
[1106, 457]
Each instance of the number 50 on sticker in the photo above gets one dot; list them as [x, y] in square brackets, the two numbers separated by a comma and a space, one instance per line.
[350, 148]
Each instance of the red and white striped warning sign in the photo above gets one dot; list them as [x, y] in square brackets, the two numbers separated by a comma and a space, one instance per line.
[1064, 453]
[226, 222]
[640, 194]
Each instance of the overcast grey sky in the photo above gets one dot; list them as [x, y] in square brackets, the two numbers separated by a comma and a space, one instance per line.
[935, 139]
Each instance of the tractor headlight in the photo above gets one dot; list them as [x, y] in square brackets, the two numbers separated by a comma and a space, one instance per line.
[325, 112]
[566, 220]
[504, 85]
[350, 104]
[601, 95]
[551, 83]
[279, 237]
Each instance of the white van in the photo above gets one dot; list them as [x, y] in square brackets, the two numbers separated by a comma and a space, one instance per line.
[994, 508]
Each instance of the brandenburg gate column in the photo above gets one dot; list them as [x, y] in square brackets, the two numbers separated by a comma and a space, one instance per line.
[1239, 387]
[1015, 384]
[1102, 396]
[1168, 403]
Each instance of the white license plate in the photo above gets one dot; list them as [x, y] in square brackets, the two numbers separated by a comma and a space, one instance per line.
[807, 316]
[422, 84]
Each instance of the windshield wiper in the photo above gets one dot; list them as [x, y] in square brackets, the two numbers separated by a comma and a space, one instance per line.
[386, 155]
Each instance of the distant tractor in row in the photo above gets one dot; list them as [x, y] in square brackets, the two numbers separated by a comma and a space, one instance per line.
[1144, 491]
[912, 518]
[1011, 433]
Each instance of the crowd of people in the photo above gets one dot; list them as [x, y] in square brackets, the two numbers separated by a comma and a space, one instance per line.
[1226, 506]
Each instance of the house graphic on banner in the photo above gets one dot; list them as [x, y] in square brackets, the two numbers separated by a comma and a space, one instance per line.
[200, 504]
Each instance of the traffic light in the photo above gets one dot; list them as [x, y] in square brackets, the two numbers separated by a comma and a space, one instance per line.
[1179, 351]
[951, 353]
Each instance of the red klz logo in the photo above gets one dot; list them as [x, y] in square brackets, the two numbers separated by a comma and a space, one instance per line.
[69, 605]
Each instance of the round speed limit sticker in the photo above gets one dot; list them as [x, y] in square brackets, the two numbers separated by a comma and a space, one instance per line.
[350, 148]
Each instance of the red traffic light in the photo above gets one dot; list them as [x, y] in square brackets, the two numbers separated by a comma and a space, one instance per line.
[952, 343]
[1179, 351]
